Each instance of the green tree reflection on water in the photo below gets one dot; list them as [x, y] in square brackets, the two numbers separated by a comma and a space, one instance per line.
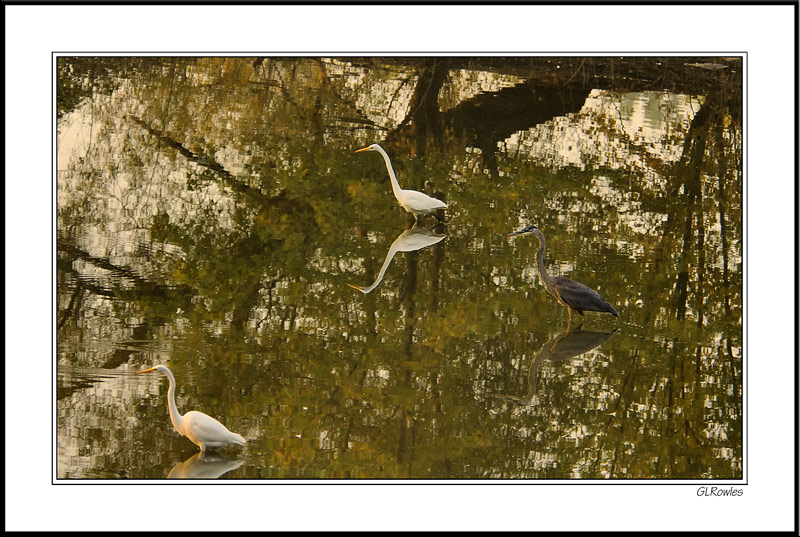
[210, 214]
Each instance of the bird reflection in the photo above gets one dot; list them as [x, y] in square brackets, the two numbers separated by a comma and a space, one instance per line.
[203, 466]
[408, 241]
[569, 344]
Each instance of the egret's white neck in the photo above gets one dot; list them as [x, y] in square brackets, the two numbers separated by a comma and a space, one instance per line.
[174, 415]
[395, 185]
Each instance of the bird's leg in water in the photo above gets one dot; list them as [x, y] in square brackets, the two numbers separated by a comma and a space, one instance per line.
[580, 323]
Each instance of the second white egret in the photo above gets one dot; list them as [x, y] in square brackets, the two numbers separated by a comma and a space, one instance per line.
[412, 201]
[201, 429]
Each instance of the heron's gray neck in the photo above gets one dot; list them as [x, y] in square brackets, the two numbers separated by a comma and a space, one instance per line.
[543, 275]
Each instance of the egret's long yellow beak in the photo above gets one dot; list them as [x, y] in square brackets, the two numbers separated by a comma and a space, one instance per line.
[356, 287]
[146, 371]
[360, 150]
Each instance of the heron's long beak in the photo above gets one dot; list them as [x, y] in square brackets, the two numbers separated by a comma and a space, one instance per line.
[360, 150]
[146, 371]
[526, 229]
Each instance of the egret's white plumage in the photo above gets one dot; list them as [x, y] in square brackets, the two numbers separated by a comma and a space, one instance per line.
[412, 201]
[201, 429]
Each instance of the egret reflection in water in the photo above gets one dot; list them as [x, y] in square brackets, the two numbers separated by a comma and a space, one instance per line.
[564, 346]
[203, 466]
[408, 241]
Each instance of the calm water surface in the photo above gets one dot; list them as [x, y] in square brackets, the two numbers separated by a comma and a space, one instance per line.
[212, 217]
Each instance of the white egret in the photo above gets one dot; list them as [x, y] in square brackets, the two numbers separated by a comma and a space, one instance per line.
[412, 201]
[201, 429]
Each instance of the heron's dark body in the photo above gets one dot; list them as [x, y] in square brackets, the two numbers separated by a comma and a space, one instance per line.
[579, 297]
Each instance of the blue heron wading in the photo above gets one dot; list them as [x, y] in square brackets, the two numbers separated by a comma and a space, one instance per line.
[575, 296]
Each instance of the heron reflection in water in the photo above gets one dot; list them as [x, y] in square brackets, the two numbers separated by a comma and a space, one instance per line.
[575, 296]
[569, 344]
[203, 465]
[408, 241]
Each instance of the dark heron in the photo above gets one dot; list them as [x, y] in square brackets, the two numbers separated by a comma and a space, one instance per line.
[575, 296]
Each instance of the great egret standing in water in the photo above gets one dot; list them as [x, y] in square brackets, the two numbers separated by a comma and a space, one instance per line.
[412, 201]
[201, 429]
[575, 296]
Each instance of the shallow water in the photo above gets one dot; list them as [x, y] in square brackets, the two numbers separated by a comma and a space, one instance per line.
[213, 217]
